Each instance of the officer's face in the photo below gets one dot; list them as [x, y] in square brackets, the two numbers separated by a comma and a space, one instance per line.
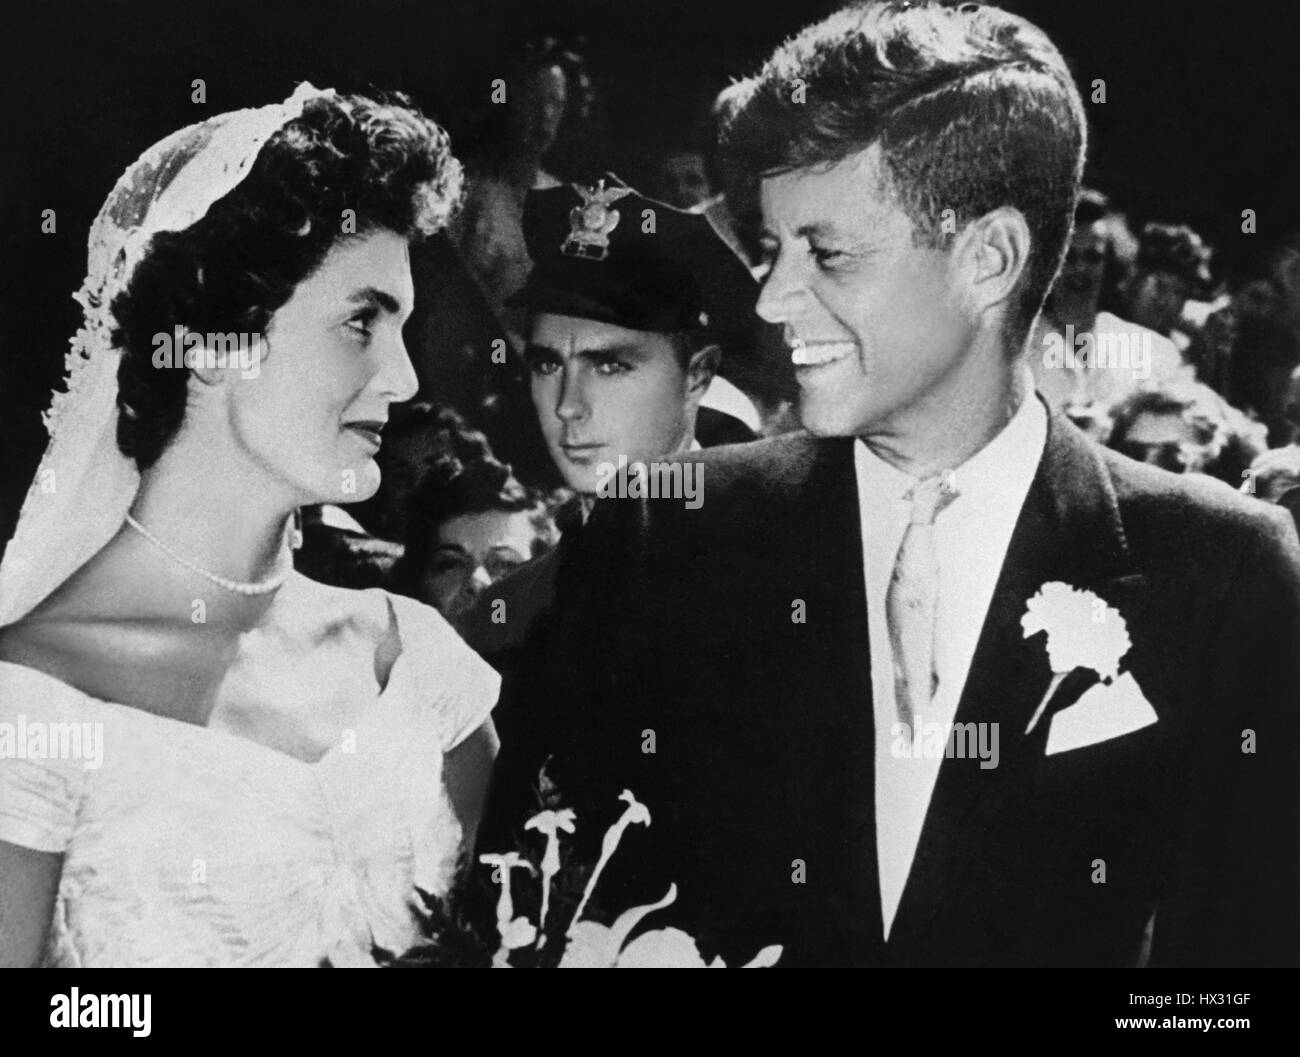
[603, 391]
[884, 344]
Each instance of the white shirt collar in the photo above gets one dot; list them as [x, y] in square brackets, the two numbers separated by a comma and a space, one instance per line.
[1002, 469]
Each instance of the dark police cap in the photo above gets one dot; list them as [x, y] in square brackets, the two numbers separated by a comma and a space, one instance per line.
[607, 253]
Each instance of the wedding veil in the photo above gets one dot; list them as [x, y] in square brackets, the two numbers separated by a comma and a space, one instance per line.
[84, 485]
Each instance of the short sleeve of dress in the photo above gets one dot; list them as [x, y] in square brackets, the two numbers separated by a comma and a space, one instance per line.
[46, 753]
[460, 688]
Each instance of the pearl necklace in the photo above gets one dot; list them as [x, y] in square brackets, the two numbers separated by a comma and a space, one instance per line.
[239, 587]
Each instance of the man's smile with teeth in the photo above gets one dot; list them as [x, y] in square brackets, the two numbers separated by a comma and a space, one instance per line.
[815, 353]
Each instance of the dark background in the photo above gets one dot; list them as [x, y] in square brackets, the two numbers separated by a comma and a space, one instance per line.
[1201, 118]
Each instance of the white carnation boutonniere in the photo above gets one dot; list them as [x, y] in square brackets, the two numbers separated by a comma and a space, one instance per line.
[1084, 632]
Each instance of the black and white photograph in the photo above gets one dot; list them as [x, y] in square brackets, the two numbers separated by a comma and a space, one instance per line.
[649, 484]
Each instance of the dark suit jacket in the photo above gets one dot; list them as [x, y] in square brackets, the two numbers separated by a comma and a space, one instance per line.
[1290, 501]
[672, 665]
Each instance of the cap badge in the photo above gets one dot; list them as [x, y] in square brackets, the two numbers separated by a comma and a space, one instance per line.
[591, 222]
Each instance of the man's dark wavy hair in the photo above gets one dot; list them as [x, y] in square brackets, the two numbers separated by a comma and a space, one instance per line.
[230, 271]
[973, 109]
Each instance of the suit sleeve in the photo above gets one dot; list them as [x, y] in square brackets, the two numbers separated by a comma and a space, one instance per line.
[1238, 903]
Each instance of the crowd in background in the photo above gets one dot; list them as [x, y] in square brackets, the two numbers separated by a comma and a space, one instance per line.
[1211, 385]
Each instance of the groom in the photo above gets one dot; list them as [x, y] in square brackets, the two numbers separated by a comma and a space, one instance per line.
[938, 682]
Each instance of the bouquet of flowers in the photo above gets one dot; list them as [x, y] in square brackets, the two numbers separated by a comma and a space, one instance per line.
[561, 936]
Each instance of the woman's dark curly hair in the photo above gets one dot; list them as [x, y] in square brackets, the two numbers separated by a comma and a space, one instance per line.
[463, 477]
[231, 271]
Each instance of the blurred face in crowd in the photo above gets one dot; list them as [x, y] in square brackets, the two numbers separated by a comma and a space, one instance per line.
[686, 183]
[880, 341]
[1091, 419]
[1257, 299]
[602, 391]
[404, 461]
[473, 551]
[536, 122]
[1156, 300]
[1165, 439]
[1078, 287]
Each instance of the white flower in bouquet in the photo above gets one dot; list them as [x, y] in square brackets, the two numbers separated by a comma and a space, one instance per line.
[550, 824]
[635, 813]
[593, 946]
[589, 944]
[515, 932]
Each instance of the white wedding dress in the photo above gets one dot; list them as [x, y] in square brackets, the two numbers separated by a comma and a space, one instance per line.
[193, 846]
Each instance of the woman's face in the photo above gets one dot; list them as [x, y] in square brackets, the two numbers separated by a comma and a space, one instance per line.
[1084, 268]
[332, 362]
[540, 110]
[473, 551]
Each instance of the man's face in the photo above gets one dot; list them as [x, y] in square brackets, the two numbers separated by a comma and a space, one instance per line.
[877, 316]
[603, 391]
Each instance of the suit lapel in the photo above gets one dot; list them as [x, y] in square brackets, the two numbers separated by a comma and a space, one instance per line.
[1068, 530]
[852, 730]
[826, 749]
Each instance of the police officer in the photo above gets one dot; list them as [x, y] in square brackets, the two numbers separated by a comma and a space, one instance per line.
[631, 305]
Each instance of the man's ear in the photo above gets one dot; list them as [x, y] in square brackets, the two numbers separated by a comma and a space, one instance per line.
[701, 369]
[991, 254]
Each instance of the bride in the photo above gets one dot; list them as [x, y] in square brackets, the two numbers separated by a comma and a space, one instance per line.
[279, 764]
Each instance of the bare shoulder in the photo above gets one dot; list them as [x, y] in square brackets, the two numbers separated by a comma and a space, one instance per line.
[367, 613]
[91, 619]
[111, 658]
[321, 613]
[56, 640]
[122, 655]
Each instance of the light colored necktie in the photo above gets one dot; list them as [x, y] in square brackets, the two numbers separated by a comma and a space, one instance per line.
[911, 601]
